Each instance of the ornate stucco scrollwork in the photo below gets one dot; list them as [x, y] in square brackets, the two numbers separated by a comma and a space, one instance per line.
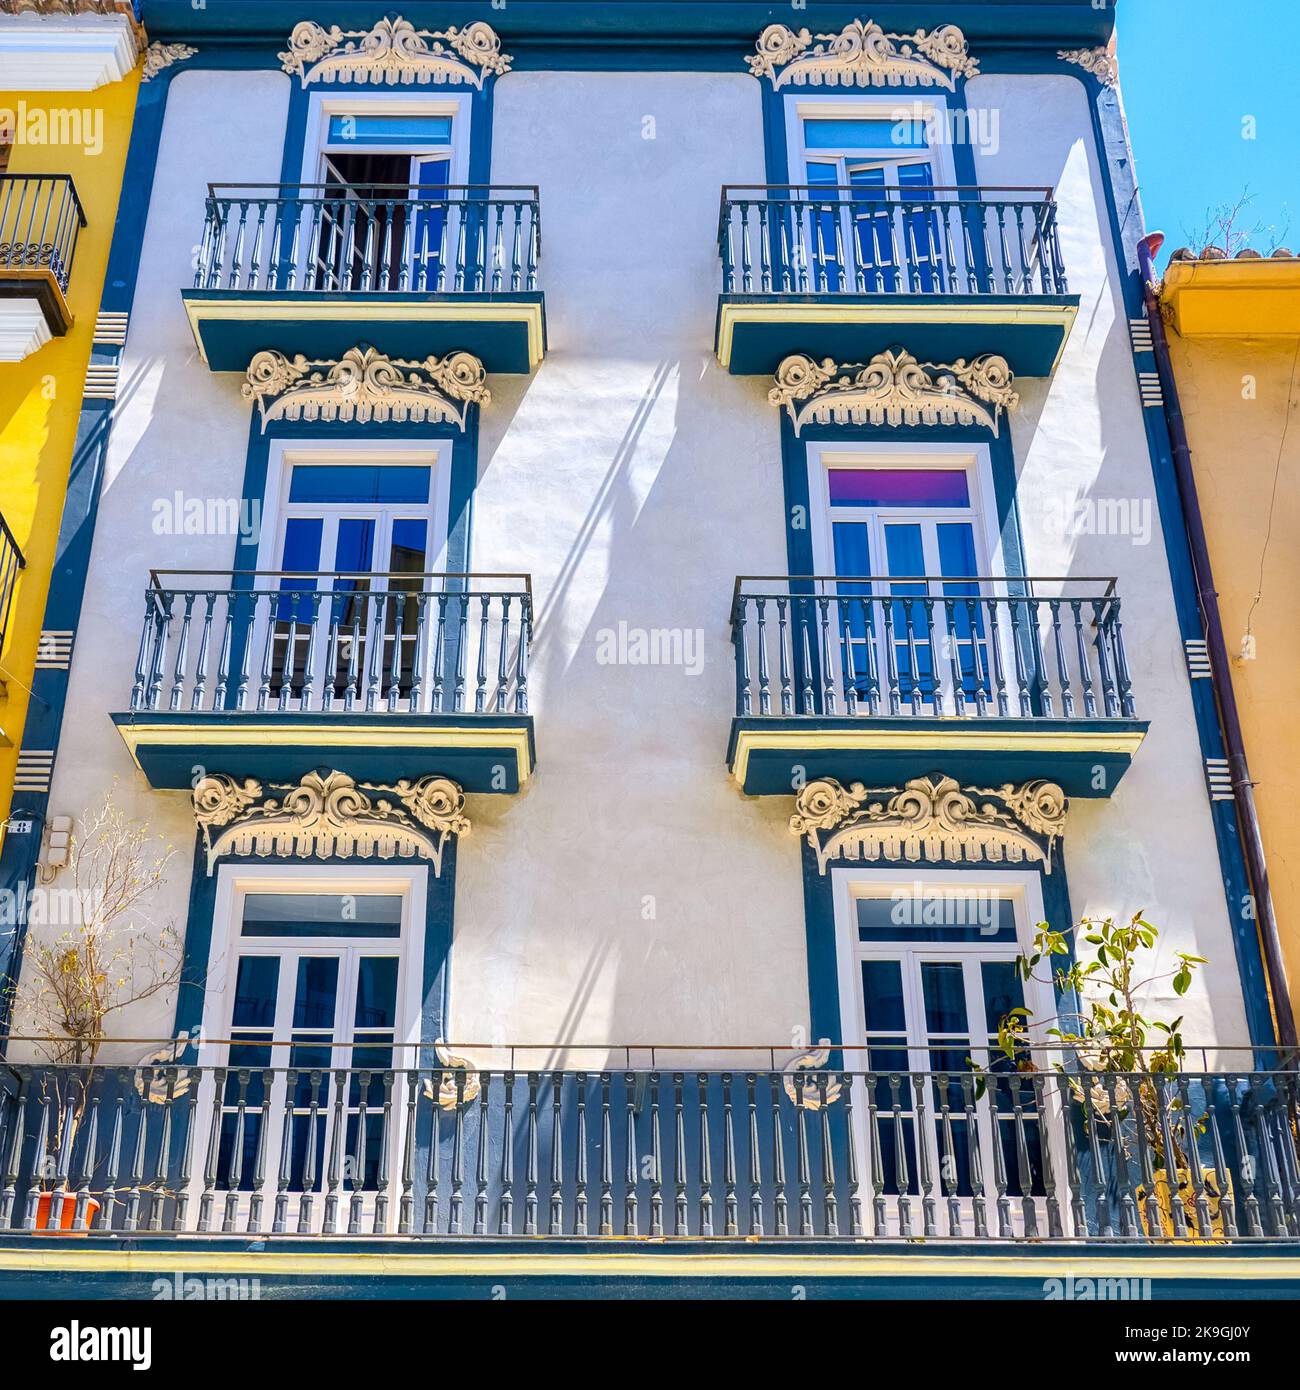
[862, 55]
[328, 814]
[162, 55]
[894, 389]
[394, 52]
[932, 820]
[1098, 61]
[459, 1083]
[814, 1061]
[365, 385]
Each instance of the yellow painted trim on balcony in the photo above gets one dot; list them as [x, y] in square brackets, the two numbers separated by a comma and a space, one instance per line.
[1233, 299]
[189, 1257]
[966, 736]
[893, 311]
[442, 311]
[324, 734]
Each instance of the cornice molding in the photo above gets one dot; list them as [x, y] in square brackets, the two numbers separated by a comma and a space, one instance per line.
[1098, 61]
[931, 820]
[394, 52]
[329, 813]
[365, 385]
[862, 55]
[894, 389]
[162, 55]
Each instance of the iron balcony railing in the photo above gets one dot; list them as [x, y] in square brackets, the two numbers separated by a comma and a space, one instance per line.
[11, 561]
[40, 219]
[278, 640]
[896, 645]
[831, 239]
[469, 238]
[265, 1144]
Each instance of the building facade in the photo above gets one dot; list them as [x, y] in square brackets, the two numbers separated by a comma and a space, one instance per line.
[1233, 326]
[67, 88]
[633, 565]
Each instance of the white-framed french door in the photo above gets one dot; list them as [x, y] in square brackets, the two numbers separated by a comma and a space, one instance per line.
[354, 531]
[413, 146]
[919, 524]
[879, 161]
[315, 973]
[927, 972]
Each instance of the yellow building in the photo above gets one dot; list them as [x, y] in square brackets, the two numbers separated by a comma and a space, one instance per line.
[1234, 341]
[65, 133]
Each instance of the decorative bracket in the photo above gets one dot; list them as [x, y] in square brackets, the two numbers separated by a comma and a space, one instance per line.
[894, 389]
[394, 52]
[329, 813]
[933, 820]
[162, 55]
[1098, 61]
[365, 385]
[862, 55]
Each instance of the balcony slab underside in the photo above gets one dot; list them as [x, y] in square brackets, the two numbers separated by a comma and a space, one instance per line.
[32, 308]
[96, 1266]
[769, 756]
[506, 331]
[483, 753]
[756, 332]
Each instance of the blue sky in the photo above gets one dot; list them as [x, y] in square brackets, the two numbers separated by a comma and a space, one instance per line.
[1192, 74]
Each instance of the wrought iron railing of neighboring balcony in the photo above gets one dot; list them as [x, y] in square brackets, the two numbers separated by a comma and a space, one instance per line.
[40, 219]
[470, 238]
[279, 1140]
[897, 645]
[279, 640]
[12, 561]
[829, 239]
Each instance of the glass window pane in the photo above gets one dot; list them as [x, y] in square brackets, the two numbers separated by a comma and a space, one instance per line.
[255, 990]
[867, 133]
[882, 993]
[409, 546]
[915, 175]
[945, 997]
[899, 487]
[355, 482]
[313, 1004]
[389, 130]
[322, 914]
[377, 992]
[852, 549]
[957, 554]
[821, 173]
[1002, 989]
[937, 916]
[302, 537]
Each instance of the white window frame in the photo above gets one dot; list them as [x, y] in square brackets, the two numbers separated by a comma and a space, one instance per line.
[322, 105]
[889, 109]
[234, 883]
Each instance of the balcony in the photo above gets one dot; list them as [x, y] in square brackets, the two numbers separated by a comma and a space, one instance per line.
[316, 269]
[881, 679]
[658, 1151]
[40, 220]
[383, 676]
[848, 272]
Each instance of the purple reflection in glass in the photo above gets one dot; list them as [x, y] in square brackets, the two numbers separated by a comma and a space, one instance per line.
[899, 487]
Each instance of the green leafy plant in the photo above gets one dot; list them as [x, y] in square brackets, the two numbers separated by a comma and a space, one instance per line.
[1110, 1034]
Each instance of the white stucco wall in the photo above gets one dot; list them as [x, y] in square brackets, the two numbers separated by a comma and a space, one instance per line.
[631, 894]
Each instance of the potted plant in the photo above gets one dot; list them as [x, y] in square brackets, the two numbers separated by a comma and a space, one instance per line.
[1122, 1057]
[109, 955]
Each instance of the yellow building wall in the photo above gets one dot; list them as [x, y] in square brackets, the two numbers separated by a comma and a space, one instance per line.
[40, 397]
[1236, 397]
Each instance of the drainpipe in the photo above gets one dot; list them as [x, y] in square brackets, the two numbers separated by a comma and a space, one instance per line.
[1243, 790]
